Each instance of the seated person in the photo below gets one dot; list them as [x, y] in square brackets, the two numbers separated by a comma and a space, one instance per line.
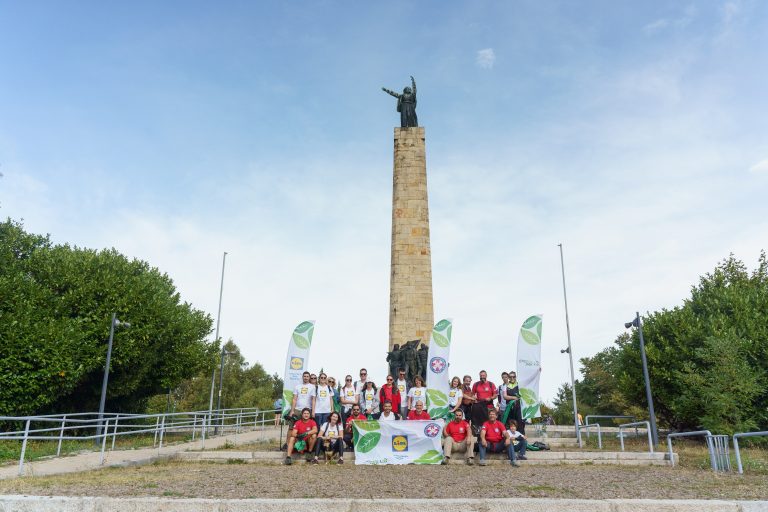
[457, 436]
[387, 414]
[419, 413]
[329, 438]
[304, 430]
[516, 442]
[354, 415]
[492, 436]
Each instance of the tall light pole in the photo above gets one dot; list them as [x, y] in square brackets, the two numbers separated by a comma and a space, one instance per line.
[637, 322]
[224, 353]
[570, 351]
[115, 323]
[218, 319]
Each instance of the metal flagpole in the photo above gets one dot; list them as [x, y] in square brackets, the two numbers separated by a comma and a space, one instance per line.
[570, 351]
[218, 319]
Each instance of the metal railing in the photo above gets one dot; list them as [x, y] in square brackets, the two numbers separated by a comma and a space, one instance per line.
[599, 433]
[690, 434]
[77, 426]
[636, 424]
[718, 449]
[736, 446]
[605, 417]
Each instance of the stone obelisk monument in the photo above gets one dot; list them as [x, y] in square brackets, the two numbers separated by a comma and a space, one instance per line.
[410, 287]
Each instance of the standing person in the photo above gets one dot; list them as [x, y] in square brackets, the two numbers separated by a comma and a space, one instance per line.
[348, 397]
[419, 413]
[485, 391]
[468, 398]
[277, 406]
[335, 391]
[402, 387]
[369, 399]
[360, 384]
[387, 414]
[354, 415]
[502, 395]
[492, 436]
[389, 392]
[457, 436]
[417, 393]
[329, 438]
[516, 412]
[454, 396]
[516, 442]
[323, 400]
[304, 432]
[313, 379]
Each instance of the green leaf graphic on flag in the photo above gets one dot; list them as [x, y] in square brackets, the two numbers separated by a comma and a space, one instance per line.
[300, 341]
[538, 329]
[441, 340]
[302, 327]
[368, 442]
[528, 396]
[287, 399]
[436, 398]
[531, 322]
[367, 425]
[430, 457]
[438, 412]
[530, 337]
[530, 411]
[441, 325]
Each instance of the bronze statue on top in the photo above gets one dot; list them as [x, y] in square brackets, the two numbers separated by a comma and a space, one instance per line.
[406, 105]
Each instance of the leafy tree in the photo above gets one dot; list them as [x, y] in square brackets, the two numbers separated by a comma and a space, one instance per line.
[56, 304]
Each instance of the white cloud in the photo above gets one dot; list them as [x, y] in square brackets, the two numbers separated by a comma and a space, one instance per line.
[486, 58]
[656, 26]
[761, 166]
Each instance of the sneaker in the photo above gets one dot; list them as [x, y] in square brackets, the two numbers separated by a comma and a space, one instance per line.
[471, 461]
[483, 463]
[515, 464]
[314, 460]
[284, 448]
[522, 457]
[341, 460]
[445, 461]
[308, 457]
[288, 461]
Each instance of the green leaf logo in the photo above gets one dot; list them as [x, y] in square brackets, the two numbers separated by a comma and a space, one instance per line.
[300, 341]
[438, 412]
[367, 425]
[528, 396]
[368, 442]
[530, 337]
[441, 340]
[442, 325]
[530, 411]
[303, 327]
[436, 398]
[531, 322]
[287, 399]
[430, 457]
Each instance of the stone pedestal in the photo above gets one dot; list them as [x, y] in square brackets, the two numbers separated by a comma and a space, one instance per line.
[410, 285]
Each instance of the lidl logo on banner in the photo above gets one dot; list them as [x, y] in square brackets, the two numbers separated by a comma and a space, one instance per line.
[400, 443]
[438, 365]
[297, 363]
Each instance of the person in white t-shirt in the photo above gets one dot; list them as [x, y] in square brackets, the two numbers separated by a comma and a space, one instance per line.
[455, 395]
[402, 386]
[303, 395]
[360, 384]
[417, 393]
[329, 437]
[387, 414]
[369, 399]
[348, 397]
[516, 442]
[323, 400]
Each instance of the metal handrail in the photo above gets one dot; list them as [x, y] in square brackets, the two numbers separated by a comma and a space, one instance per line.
[736, 445]
[599, 433]
[689, 434]
[635, 424]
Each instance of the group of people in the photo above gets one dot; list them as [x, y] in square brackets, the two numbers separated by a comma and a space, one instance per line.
[322, 412]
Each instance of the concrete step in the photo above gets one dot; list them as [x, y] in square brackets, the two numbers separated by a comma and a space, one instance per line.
[534, 458]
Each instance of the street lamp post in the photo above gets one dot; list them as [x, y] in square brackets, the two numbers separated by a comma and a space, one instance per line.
[218, 319]
[224, 353]
[115, 323]
[639, 324]
[570, 351]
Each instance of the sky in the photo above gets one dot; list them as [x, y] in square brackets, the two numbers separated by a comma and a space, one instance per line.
[634, 133]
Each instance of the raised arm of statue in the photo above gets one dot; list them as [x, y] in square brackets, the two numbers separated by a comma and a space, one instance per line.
[393, 93]
[413, 83]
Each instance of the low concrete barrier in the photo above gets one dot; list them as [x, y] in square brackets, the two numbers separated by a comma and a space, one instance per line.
[99, 504]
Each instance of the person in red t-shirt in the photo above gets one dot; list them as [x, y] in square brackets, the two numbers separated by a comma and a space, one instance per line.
[390, 392]
[419, 413]
[457, 436]
[354, 415]
[485, 391]
[492, 436]
[305, 430]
